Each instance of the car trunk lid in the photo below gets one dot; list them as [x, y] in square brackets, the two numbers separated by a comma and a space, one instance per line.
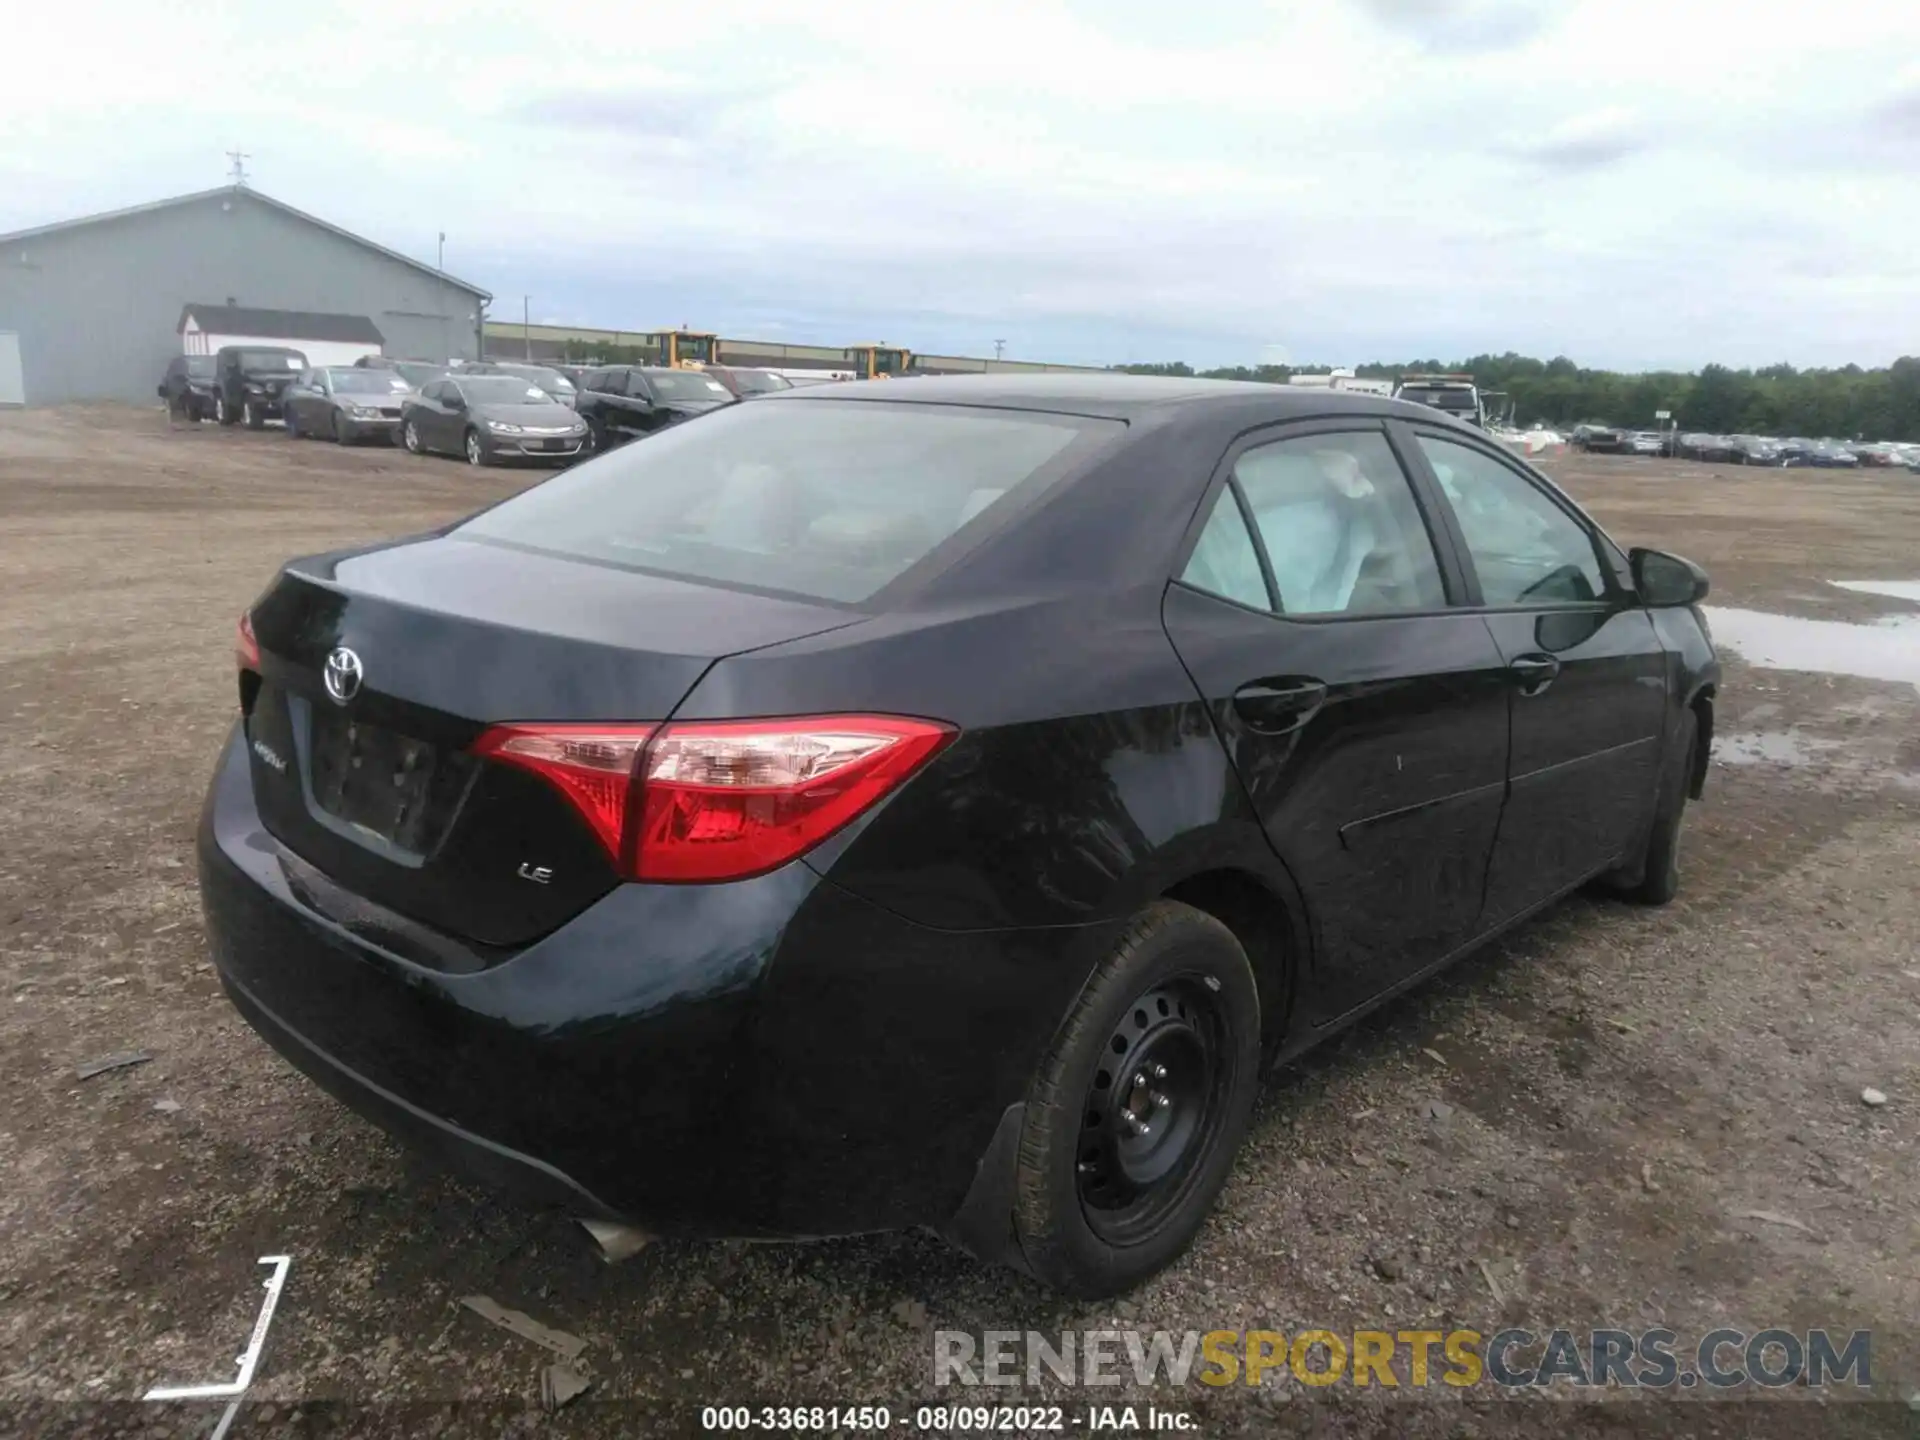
[380, 670]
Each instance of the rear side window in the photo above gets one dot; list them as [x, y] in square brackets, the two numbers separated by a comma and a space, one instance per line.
[1224, 560]
[1340, 525]
[827, 499]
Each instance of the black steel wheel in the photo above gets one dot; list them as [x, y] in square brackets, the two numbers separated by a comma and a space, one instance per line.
[1151, 1109]
[1131, 1126]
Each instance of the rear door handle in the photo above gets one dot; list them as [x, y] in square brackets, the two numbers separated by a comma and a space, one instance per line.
[1533, 673]
[1274, 707]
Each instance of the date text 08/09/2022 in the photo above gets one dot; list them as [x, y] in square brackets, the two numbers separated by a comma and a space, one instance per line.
[945, 1419]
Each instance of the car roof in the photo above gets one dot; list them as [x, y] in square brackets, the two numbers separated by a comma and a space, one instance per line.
[1118, 396]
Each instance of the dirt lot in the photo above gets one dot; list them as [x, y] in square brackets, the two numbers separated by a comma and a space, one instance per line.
[1621, 1090]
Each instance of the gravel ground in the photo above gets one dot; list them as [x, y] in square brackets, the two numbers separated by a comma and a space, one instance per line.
[1575, 1128]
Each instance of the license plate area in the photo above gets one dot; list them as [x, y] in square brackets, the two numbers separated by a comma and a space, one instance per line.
[392, 787]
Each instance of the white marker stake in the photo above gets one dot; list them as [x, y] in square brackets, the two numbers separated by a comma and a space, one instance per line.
[246, 1361]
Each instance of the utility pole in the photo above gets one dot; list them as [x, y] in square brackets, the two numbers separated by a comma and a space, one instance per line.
[238, 173]
[999, 348]
[440, 255]
[526, 324]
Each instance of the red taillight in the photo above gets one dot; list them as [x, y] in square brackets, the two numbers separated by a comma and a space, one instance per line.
[592, 765]
[246, 649]
[720, 800]
[725, 800]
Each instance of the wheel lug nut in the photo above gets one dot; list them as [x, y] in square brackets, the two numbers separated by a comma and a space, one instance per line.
[1159, 1072]
[1160, 1102]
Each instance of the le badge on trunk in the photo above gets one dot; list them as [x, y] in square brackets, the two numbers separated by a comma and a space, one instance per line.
[342, 675]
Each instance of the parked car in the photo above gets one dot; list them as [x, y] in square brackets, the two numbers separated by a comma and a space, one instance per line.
[622, 402]
[1879, 456]
[248, 381]
[188, 387]
[346, 404]
[545, 376]
[415, 372]
[491, 420]
[1755, 450]
[1602, 439]
[744, 382]
[1646, 442]
[933, 804]
[1832, 455]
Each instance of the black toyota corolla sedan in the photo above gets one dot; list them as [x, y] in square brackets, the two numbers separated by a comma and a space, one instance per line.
[933, 803]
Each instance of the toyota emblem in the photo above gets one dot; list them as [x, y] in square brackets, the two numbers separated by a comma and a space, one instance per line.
[342, 675]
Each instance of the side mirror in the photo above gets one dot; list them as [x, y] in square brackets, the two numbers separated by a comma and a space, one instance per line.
[1663, 581]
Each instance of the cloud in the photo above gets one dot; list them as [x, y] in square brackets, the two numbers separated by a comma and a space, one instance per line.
[1586, 142]
[1625, 181]
[1899, 116]
[1468, 26]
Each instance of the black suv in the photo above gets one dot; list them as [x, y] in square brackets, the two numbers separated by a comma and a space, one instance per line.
[249, 380]
[621, 402]
[187, 387]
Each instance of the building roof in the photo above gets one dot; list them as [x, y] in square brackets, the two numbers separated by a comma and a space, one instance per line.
[230, 190]
[281, 324]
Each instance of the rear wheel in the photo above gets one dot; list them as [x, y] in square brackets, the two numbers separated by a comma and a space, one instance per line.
[1139, 1108]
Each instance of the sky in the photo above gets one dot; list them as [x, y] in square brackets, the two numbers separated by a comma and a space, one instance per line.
[1633, 184]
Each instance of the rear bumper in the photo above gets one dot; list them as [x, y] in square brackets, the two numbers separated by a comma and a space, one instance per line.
[771, 1058]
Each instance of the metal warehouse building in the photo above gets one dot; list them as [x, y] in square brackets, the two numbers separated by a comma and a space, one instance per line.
[93, 309]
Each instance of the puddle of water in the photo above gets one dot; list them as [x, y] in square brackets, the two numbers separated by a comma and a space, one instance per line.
[1771, 747]
[1825, 647]
[1898, 589]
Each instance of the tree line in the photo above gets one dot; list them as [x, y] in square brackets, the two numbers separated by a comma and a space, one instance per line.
[1849, 403]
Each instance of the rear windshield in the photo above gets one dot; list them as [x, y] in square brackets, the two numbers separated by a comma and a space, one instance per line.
[827, 499]
[1439, 397]
[757, 382]
[687, 385]
[272, 360]
[367, 382]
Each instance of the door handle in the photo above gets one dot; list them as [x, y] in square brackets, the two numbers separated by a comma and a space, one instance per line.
[1275, 707]
[1533, 673]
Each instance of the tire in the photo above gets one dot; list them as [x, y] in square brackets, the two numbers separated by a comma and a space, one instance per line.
[1659, 872]
[596, 437]
[293, 424]
[477, 455]
[1100, 1202]
[340, 432]
[410, 439]
[251, 417]
[222, 412]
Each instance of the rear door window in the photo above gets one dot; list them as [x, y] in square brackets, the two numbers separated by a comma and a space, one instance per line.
[1342, 531]
[831, 500]
[1224, 561]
